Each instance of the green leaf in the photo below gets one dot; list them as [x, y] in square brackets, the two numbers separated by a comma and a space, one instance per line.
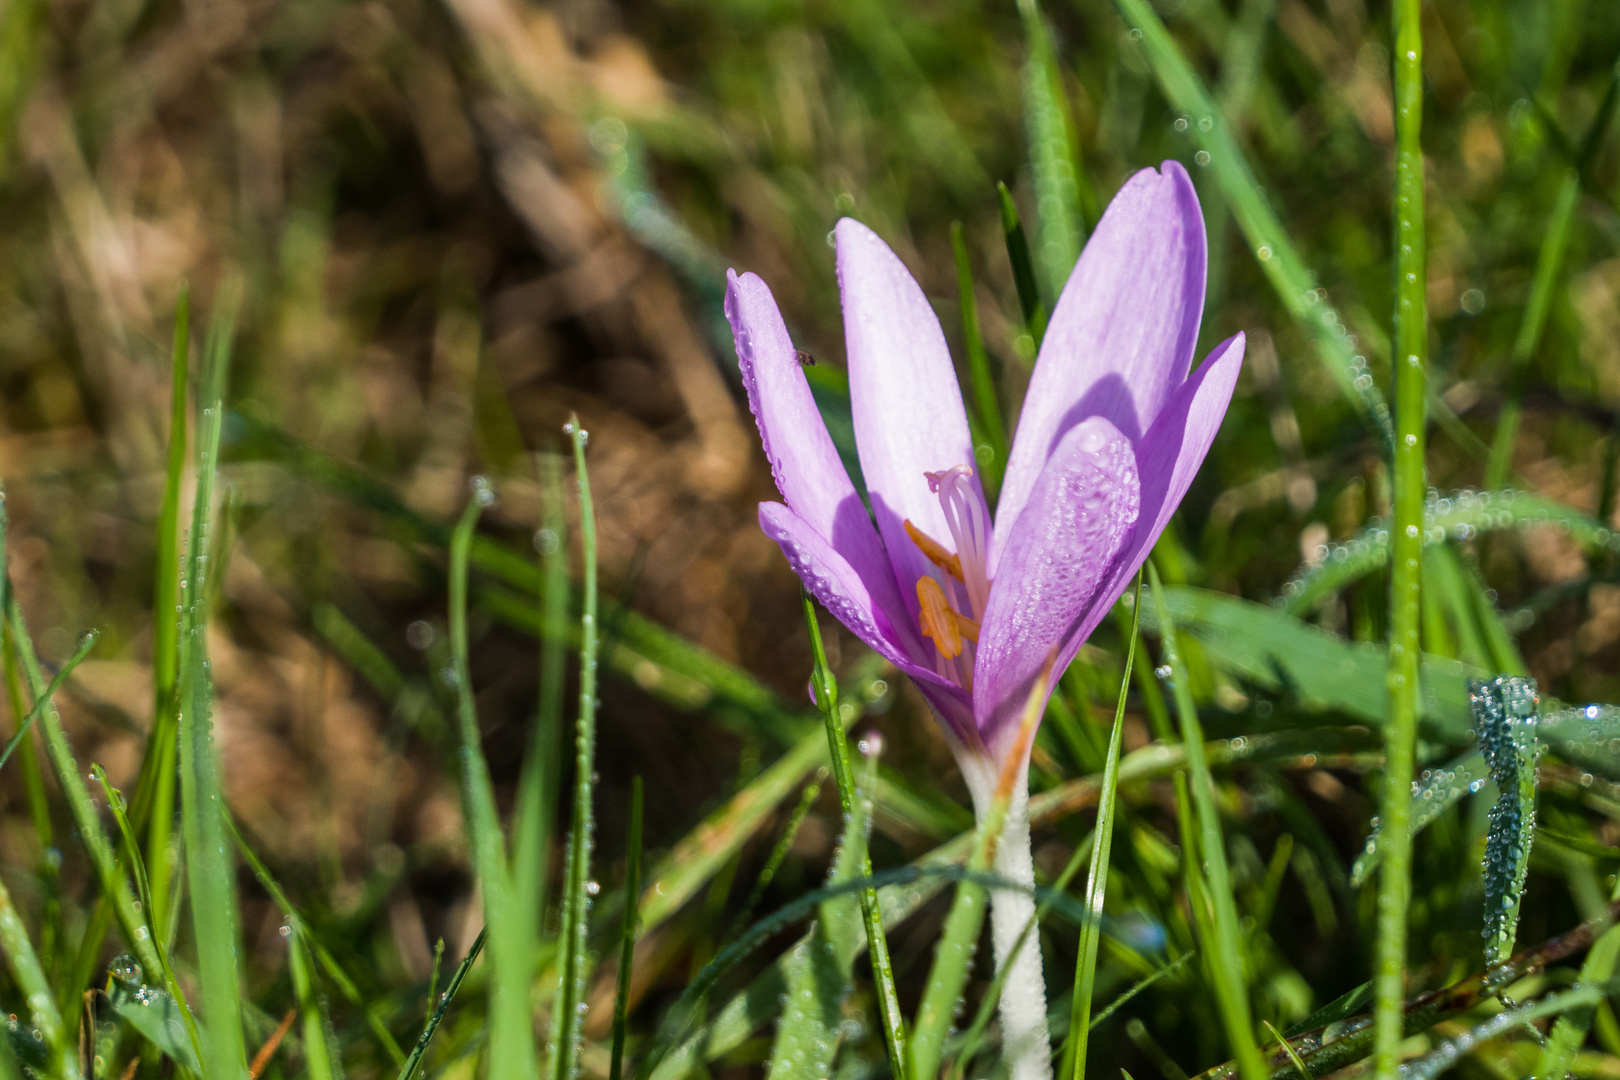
[152, 1012]
[1432, 794]
[1505, 713]
[1054, 157]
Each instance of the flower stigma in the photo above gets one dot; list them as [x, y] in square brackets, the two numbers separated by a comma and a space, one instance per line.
[938, 617]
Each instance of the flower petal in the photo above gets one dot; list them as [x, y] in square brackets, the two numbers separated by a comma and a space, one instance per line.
[1167, 459]
[1122, 334]
[834, 582]
[1081, 513]
[804, 462]
[907, 405]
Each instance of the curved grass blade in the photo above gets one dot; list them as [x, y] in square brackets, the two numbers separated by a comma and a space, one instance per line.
[1451, 1051]
[1279, 260]
[318, 1055]
[779, 852]
[566, 1018]
[1433, 793]
[408, 1070]
[1506, 713]
[853, 804]
[86, 643]
[1458, 516]
[510, 1025]
[1085, 972]
[1223, 955]
[627, 949]
[1569, 1033]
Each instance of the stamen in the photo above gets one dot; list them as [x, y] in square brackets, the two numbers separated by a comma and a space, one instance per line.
[969, 521]
[935, 551]
[968, 628]
[937, 620]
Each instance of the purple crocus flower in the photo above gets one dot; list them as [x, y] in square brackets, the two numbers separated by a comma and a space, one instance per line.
[1112, 431]
[974, 610]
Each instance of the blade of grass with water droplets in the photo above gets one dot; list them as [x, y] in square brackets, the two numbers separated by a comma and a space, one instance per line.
[36, 988]
[566, 1018]
[1223, 954]
[1279, 260]
[1102, 843]
[408, 1070]
[510, 1025]
[132, 852]
[317, 1050]
[1569, 1032]
[1410, 350]
[853, 804]
[1506, 714]
[1434, 792]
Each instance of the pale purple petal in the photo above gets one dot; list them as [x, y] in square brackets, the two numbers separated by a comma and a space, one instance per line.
[907, 406]
[834, 582]
[1081, 513]
[804, 463]
[1122, 335]
[1167, 459]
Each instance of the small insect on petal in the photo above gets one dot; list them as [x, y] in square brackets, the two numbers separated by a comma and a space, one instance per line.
[937, 619]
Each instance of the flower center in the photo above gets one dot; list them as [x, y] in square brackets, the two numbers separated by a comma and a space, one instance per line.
[938, 617]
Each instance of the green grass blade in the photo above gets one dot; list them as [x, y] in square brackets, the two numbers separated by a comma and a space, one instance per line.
[627, 934]
[209, 867]
[894, 1026]
[154, 790]
[511, 1045]
[779, 852]
[1569, 1032]
[408, 1070]
[86, 820]
[1549, 262]
[566, 1018]
[1223, 954]
[36, 988]
[317, 949]
[317, 1052]
[1507, 716]
[987, 409]
[132, 852]
[1060, 194]
[1279, 260]
[1085, 972]
[538, 787]
[1023, 268]
[1406, 551]
[86, 643]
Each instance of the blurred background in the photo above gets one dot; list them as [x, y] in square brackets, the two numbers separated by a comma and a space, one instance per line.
[445, 227]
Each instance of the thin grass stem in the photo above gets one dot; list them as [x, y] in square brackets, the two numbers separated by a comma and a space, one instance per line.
[1406, 551]
[627, 934]
[877, 943]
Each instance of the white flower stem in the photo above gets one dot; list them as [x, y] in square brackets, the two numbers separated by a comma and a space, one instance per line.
[1026, 1044]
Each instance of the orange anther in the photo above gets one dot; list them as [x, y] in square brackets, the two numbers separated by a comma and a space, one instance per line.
[935, 551]
[937, 619]
[968, 628]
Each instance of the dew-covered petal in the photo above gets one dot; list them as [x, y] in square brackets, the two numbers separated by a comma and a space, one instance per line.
[1167, 459]
[1080, 514]
[804, 462]
[833, 582]
[907, 405]
[1123, 332]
